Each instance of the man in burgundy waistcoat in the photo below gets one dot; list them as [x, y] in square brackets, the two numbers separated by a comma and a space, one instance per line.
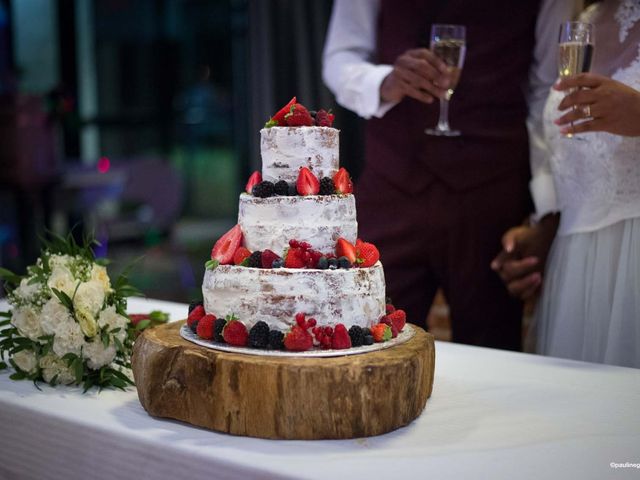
[437, 206]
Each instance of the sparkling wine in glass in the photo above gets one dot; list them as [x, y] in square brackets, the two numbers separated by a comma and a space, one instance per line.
[575, 49]
[448, 43]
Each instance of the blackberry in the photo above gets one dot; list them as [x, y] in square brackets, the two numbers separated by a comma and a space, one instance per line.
[259, 335]
[368, 340]
[276, 340]
[277, 263]
[333, 263]
[194, 304]
[281, 188]
[357, 337]
[263, 189]
[218, 326]
[327, 187]
[343, 262]
[366, 331]
[323, 263]
[194, 327]
[255, 259]
[293, 190]
[313, 113]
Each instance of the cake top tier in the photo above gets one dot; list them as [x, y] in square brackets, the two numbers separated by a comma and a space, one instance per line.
[296, 137]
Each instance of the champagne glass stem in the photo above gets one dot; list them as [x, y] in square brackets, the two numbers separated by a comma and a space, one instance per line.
[443, 120]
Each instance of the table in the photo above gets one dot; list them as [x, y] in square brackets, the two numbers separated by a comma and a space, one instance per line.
[493, 414]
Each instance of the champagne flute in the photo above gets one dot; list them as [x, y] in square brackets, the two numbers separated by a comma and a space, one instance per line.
[448, 43]
[575, 50]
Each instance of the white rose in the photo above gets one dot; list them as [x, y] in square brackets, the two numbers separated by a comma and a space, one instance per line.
[68, 338]
[27, 322]
[26, 361]
[25, 291]
[89, 297]
[52, 366]
[61, 279]
[60, 261]
[53, 313]
[111, 319]
[97, 356]
[99, 274]
[87, 322]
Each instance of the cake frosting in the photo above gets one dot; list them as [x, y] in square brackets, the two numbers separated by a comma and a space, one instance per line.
[353, 297]
[285, 150]
[269, 223]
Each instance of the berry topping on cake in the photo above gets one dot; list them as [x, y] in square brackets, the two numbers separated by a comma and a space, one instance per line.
[368, 340]
[196, 314]
[307, 183]
[255, 260]
[398, 319]
[333, 263]
[268, 257]
[298, 116]
[263, 189]
[242, 253]
[192, 305]
[276, 340]
[298, 339]
[281, 188]
[343, 182]
[357, 335]
[327, 187]
[277, 263]
[278, 119]
[344, 248]
[205, 328]
[381, 332]
[324, 118]
[235, 333]
[300, 320]
[254, 179]
[323, 263]
[259, 335]
[343, 262]
[389, 308]
[295, 258]
[340, 339]
[226, 246]
[218, 328]
[367, 254]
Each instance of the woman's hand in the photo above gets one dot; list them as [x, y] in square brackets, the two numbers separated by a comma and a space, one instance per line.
[521, 262]
[608, 106]
[419, 74]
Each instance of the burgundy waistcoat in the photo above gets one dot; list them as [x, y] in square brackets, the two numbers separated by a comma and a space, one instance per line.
[489, 104]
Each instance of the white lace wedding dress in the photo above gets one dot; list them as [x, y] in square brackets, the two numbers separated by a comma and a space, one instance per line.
[590, 304]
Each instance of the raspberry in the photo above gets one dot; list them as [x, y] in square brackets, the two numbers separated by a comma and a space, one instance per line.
[324, 118]
[311, 323]
[300, 319]
[294, 243]
[298, 116]
[255, 259]
[305, 245]
[205, 327]
[263, 189]
[281, 188]
[259, 335]
[327, 187]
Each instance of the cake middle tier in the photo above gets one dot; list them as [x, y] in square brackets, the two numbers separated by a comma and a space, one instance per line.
[269, 223]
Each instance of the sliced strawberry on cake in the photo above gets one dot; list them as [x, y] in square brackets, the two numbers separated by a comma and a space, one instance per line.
[298, 116]
[226, 246]
[307, 183]
[254, 179]
[278, 119]
[342, 181]
[344, 248]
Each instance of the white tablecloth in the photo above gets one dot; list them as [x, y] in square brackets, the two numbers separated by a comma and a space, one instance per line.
[493, 415]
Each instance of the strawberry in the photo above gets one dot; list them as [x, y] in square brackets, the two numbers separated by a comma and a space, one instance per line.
[195, 315]
[254, 179]
[241, 255]
[307, 183]
[268, 257]
[235, 333]
[295, 258]
[278, 119]
[298, 339]
[298, 116]
[205, 327]
[343, 182]
[136, 318]
[227, 245]
[341, 338]
[367, 254]
[394, 331]
[398, 319]
[381, 332]
[344, 248]
[389, 308]
[324, 118]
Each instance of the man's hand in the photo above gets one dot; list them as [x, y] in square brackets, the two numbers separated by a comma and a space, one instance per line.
[521, 262]
[418, 74]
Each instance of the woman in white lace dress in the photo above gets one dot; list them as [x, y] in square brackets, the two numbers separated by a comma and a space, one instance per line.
[590, 303]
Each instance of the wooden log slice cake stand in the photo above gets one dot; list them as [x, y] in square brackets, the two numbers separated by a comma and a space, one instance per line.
[283, 397]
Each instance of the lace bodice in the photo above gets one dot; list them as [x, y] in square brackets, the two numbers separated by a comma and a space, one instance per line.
[597, 176]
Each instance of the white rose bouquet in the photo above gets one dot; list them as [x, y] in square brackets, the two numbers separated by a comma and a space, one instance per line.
[68, 323]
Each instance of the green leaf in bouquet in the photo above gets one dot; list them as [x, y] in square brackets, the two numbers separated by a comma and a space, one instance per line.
[103, 262]
[70, 358]
[78, 369]
[158, 316]
[5, 322]
[64, 298]
[11, 279]
[118, 344]
[53, 380]
[141, 325]
[3, 365]
[17, 376]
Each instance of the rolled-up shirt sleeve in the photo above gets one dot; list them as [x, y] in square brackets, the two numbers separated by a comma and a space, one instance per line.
[348, 59]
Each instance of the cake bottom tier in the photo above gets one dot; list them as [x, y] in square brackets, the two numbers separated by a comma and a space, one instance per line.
[349, 296]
